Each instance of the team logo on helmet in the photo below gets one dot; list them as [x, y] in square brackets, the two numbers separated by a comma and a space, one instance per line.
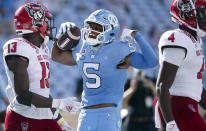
[185, 8]
[36, 13]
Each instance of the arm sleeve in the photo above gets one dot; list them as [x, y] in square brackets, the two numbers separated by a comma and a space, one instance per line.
[146, 59]
[173, 55]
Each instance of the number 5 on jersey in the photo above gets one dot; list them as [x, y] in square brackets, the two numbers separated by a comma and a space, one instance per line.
[92, 66]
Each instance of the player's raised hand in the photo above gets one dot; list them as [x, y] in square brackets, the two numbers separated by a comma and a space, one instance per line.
[69, 104]
[172, 126]
[127, 34]
[64, 26]
[68, 36]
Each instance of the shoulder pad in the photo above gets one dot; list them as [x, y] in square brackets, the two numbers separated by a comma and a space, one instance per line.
[18, 46]
[175, 38]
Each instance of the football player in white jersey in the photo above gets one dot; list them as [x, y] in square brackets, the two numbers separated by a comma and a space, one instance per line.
[26, 61]
[179, 84]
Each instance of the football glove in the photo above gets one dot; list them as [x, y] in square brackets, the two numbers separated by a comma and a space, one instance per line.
[126, 35]
[68, 104]
[68, 36]
[64, 125]
[64, 27]
[172, 126]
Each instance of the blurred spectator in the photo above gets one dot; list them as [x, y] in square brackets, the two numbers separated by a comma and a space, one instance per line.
[140, 104]
[131, 74]
[6, 17]
[153, 37]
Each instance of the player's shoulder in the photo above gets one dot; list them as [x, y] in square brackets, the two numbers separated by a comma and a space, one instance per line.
[175, 37]
[20, 42]
[18, 46]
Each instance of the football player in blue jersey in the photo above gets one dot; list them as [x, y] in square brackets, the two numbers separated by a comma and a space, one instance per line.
[103, 61]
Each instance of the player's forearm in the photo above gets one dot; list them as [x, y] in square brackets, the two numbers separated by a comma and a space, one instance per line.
[60, 56]
[147, 51]
[165, 103]
[55, 52]
[166, 77]
[40, 101]
[24, 96]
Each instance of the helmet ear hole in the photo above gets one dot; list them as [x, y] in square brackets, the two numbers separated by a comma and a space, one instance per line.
[112, 27]
[112, 34]
[39, 25]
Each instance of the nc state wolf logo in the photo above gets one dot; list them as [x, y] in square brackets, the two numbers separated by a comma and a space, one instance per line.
[185, 8]
[36, 13]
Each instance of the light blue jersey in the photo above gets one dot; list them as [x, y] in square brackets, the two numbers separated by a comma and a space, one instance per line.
[102, 81]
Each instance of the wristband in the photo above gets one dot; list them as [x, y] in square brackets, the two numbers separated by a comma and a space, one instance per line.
[61, 121]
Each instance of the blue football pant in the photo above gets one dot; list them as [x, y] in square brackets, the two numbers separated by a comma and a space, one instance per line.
[101, 119]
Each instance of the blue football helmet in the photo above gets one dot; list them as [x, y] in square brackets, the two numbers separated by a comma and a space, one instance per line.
[109, 27]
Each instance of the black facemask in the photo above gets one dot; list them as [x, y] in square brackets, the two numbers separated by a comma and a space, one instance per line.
[201, 17]
[51, 29]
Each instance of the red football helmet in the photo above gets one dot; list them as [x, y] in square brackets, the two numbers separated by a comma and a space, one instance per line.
[33, 17]
[191, 14]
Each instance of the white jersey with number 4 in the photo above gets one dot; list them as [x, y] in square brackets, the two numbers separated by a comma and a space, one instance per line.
[188, 80]
[38, 72]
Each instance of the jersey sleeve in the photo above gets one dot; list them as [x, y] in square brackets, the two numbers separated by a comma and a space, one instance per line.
[173, 55]
[17, 47]
[128, 48]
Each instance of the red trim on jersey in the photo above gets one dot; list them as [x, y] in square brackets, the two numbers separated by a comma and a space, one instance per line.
[26, 41]
[189, 35]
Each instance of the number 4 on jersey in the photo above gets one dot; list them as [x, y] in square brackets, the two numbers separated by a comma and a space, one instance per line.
[172, 37]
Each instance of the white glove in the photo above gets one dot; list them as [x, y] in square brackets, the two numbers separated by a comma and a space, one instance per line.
[64, 125]
[68, 104]
[126, 35]
[64, 27]
[172, 126]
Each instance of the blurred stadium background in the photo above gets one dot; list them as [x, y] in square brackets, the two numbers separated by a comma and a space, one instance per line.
[150, 17]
